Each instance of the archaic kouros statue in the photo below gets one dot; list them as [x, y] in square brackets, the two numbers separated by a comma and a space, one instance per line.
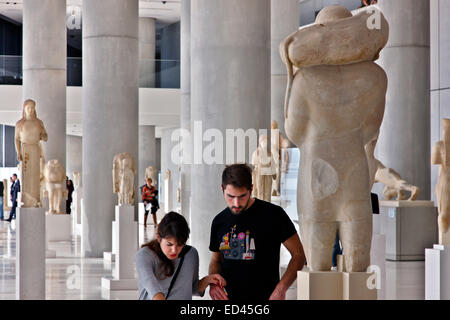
[29, 132]
[264, 170]
[277, 142]
[334, 105]
[55, 186]
[394, 185]
[441, 156]
[124, 171]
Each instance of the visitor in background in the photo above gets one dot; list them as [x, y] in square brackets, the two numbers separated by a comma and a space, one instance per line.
[15, 189]
[2, 187]
[70, 188]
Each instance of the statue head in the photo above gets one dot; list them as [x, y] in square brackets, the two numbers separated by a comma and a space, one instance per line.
[274, 124]
[332, 13]
[29, 109]
[263, 141]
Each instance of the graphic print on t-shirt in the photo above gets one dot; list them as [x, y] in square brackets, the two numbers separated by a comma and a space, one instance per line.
[238, 245]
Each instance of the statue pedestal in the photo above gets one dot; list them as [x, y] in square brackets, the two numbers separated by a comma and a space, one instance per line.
[111, 256]
[30, 254]
[58, 227]
[332, 285]
[437, 273]
[410, 227]
[378, 260]
[126, 240]
[76, 212]
[168, 196]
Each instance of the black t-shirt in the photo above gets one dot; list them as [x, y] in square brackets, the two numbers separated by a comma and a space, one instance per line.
[250, 245]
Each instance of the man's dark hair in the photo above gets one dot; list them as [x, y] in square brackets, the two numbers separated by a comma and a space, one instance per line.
[238, 175]
[15, 175]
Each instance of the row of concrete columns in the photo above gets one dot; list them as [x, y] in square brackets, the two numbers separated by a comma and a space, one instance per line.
[239, 83]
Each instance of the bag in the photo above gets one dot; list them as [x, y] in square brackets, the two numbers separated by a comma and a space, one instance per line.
[183, 252]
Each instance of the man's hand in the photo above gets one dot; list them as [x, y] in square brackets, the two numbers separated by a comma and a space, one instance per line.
[278, 293]
[217, 293]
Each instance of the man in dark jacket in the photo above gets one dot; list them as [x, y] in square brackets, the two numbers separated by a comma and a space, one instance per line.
[15, 189]
[2, 187]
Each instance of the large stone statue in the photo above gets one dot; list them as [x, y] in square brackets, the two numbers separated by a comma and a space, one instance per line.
[394, 185]
[334, 105]
[29, 132]
[55, 186]
[123, 177]
[441, 156]
[152, 173]
[264, 171]
[277, 142]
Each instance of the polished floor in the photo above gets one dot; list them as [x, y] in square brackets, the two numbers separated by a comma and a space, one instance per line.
[70, 277]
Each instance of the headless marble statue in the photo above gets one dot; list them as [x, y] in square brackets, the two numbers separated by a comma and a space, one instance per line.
[277, 143]
[152, 173]
[55, 186]
[394, 185]
[334, 105]
[441, 156]
[29, 132]
[264, 172]
[123, 178]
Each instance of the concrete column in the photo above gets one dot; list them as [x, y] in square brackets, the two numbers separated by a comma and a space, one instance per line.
[230, 65]
[44, 69]
[147, 43]
[147, 151]
[185, 105]
[284, 16]
[440, 74]
[404, 142]
[110, 110]
[74, 155]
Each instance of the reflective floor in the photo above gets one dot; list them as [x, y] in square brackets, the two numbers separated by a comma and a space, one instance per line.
[68, 276]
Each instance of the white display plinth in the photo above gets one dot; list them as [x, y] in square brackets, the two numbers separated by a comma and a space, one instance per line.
[30, 254]
[77, 195]
[168, 197]
[437, 273]
[378, 261]
[126, 240]
[332, 285]
[410, 227]
[58, 226]
[110, 256]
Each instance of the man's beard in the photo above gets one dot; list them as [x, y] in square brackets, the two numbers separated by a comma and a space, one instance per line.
[242, 208]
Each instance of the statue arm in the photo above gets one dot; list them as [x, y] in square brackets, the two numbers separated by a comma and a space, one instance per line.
[436, 154]
[44, 135]
[18, 143]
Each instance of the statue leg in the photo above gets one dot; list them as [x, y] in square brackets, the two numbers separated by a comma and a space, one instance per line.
[318, 240]
[356, 238]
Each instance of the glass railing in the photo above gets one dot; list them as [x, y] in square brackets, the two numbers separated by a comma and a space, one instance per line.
[152, 73]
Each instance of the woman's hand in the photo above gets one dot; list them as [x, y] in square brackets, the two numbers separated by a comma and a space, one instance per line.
[216, 279]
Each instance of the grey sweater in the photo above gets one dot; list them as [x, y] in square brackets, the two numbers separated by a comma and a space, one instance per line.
[185, 285]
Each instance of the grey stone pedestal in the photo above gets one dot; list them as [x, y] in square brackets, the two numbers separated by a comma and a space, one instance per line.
[410, 227]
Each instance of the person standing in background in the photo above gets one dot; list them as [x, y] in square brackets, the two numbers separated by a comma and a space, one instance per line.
[15, 189]
[70, 188]
[2, 187]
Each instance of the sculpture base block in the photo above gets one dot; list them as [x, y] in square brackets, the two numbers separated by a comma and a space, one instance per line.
[122, 284]
[126, 242]
[410, 227]
[50, 254]
[437, 273]
[58, 227]
[330, 285]
[30, 254]
[109, 257]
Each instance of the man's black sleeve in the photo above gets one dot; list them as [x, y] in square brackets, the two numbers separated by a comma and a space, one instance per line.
[286, 226]
[213, 244]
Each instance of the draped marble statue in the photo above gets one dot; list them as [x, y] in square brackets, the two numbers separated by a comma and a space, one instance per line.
[264, 171]
[334, 105]
[29, 132]
[152, 173]
[394, 185]
[123, 172]
[441, 156]
[55, 186]
[277, 143]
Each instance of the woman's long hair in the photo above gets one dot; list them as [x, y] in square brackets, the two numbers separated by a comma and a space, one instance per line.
[172, 225]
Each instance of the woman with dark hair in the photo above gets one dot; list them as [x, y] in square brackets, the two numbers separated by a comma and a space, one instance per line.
[168, 268]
